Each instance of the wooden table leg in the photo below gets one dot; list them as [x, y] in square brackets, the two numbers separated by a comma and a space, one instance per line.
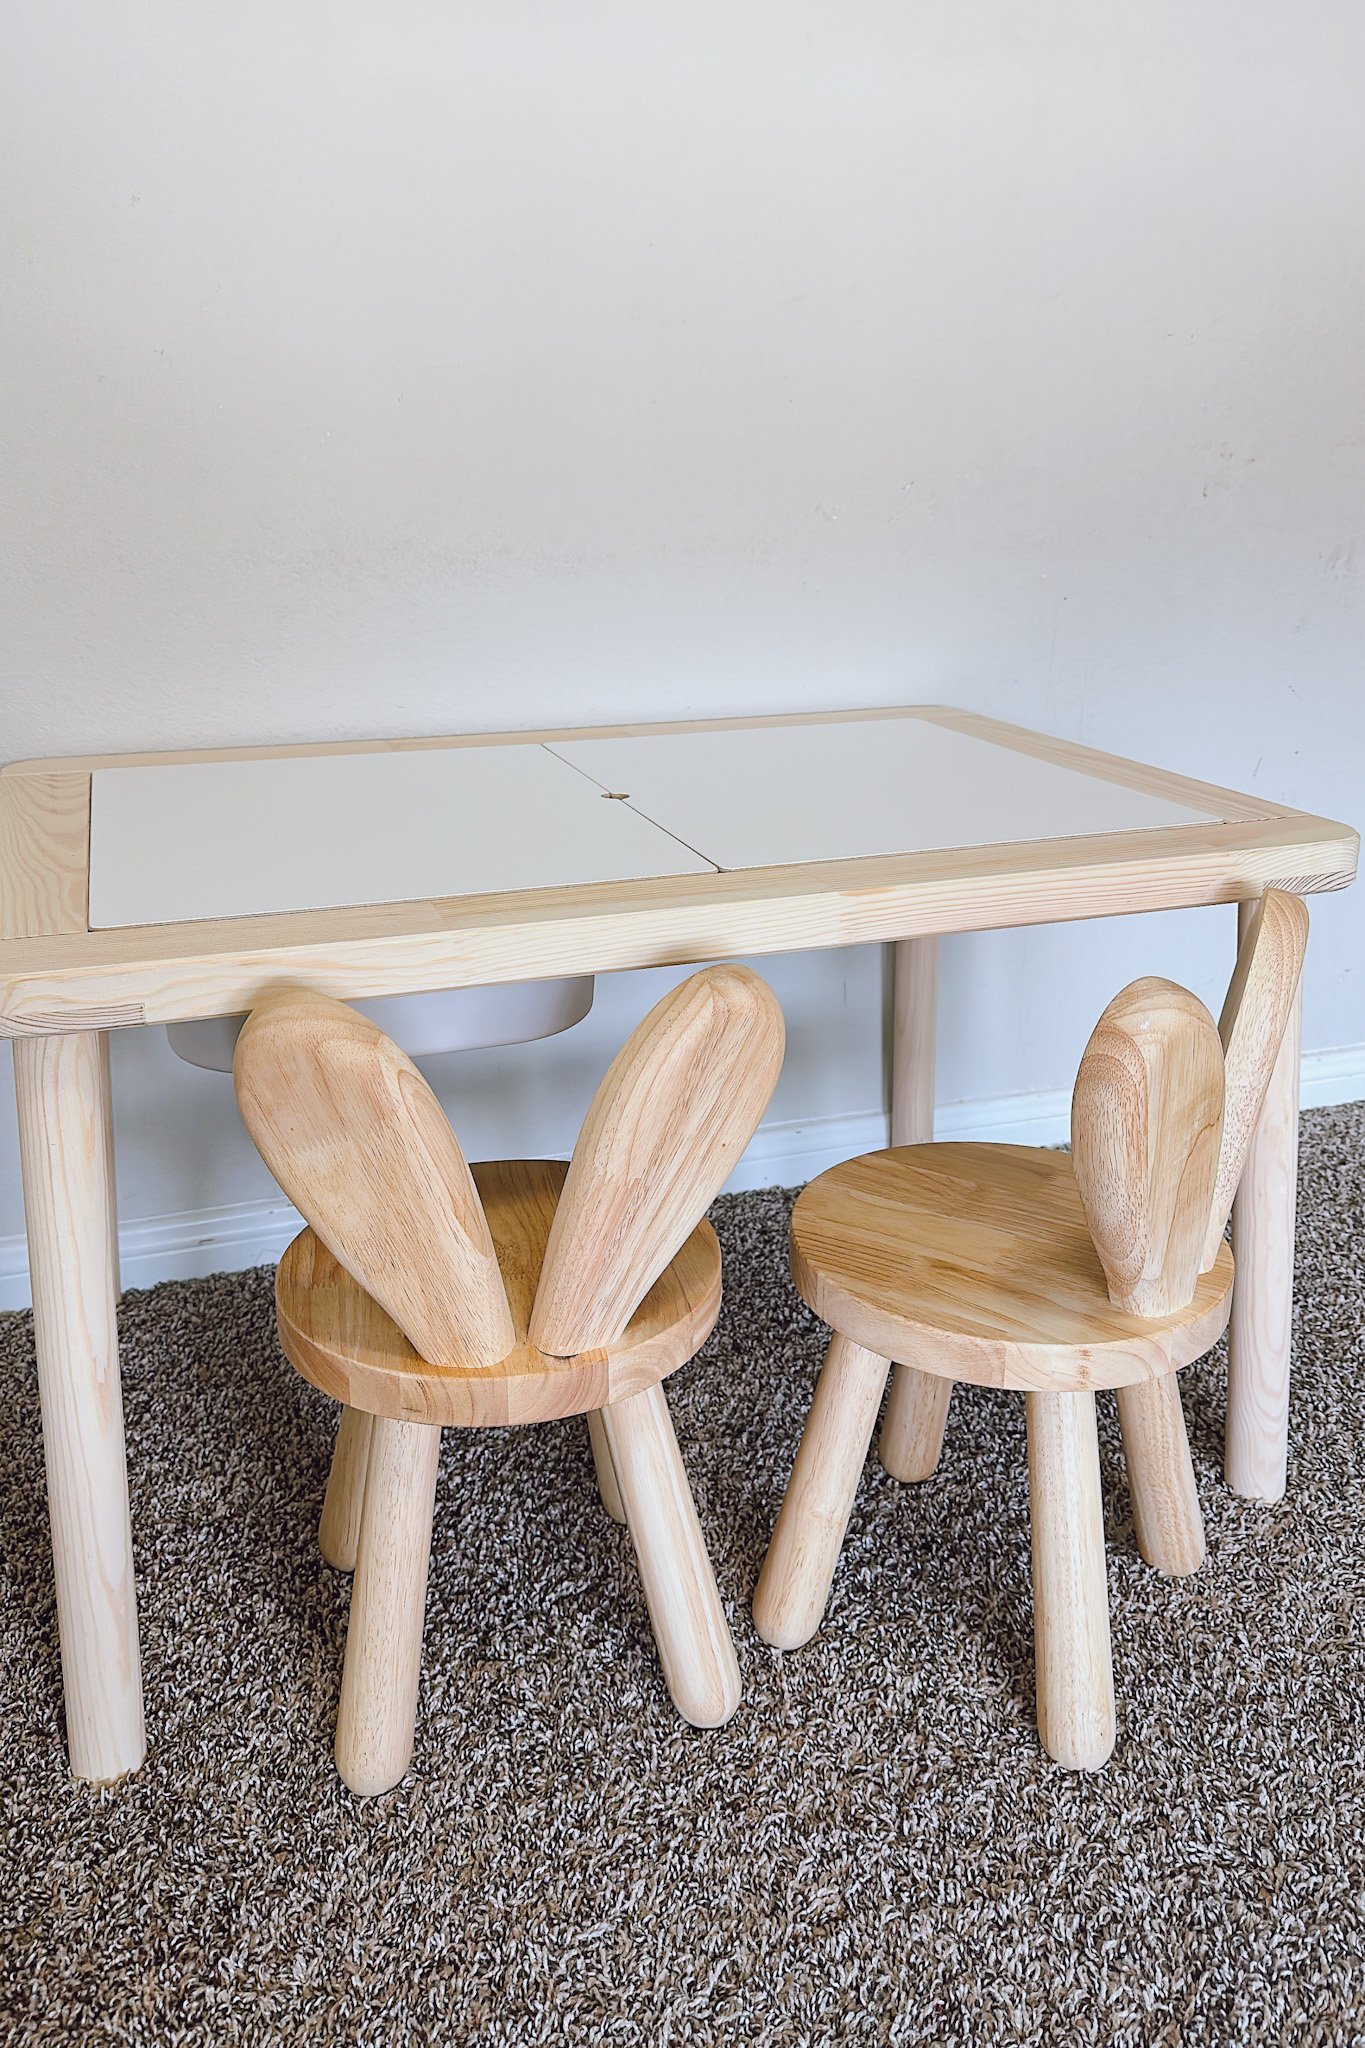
[61, 1085]
[1256, 1446]
[917, 1410]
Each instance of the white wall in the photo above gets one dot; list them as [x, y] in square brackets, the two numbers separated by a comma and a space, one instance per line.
[441, 367]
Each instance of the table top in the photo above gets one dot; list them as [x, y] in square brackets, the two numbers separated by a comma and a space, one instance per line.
[138, 889]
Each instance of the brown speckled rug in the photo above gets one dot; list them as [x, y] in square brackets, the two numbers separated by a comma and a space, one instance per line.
[875, 1850]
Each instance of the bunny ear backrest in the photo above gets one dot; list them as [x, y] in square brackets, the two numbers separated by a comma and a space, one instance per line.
[1252, 1027]
[363, 1149]
[675, 1110]
[1146, 1118]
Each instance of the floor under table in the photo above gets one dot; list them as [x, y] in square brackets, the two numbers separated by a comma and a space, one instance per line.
[876, 1849]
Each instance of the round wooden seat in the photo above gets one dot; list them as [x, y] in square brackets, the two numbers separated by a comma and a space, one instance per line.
[975, 1262]
[338, 1336]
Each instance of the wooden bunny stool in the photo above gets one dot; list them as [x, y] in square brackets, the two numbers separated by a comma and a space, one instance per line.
[423, 1295]
[1012, 1267]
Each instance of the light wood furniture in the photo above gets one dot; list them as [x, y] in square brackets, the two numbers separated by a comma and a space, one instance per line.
[424, 1296]
[1054, 1276]
[1094, 836]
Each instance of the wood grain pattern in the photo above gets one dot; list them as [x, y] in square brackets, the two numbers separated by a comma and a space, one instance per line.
[383, 1667]
[976, 1262]
[339, 1337]
[793, 1587]
[1156, 1449]
[696, 1651]
[917, 1409]
[1180, 789]
[914, 1038]
[1260, 1000]
[160, 973]
[60, 1088]
[156, 974]
[339, 1528]
[1075, 1673]
[911, 1440]
[44, 853]
[664, 1131]
[1146, 1122]
[363, 1149]
[608, 1490]
[1259, 1340]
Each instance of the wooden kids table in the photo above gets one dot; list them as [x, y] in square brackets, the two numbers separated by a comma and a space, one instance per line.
[139, 889]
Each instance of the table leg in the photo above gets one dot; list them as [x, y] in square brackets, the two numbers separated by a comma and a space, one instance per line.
[1256, 1446]
[61, 1085]
[917, 1410]
[914, 1022]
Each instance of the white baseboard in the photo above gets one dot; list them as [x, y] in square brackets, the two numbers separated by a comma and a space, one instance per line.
[226, 1240]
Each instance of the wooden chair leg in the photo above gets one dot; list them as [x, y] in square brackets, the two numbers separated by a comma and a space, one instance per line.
[794, 1584]
[700, 1668]
[911, 1439]
[339, 1528]
[1170, 1527]
[607, 1488]
[388, 1600]
[1070, 1586]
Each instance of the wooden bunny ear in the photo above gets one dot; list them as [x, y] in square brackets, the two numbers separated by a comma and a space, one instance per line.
[363, 1149]
[1146, 1118]
[676, 1108]
[1252, 1027]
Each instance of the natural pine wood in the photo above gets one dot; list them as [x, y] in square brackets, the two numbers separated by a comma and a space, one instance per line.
[69, 980]
[911, 1440]
[1075, 1675]
[1014, 1267]
[675, 1110]
[1156, 1449]
[363, 1149]
[662, 1133]
[156, 974]
[388, 1603]
[914, 1036]
[700, 1668]
[60, 1088]
[911, 1437]
[44, 853]
[608, 1491]
[1257, 1443]
[793, 1587]
[1256, 1015]
[1146, 1121]
[339, 1529]
[975, 1261]
[339, 1337]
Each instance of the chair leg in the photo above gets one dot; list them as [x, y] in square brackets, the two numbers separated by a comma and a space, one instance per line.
[911, 1439]
[339, 1528]
[1070, 1587]
[384, 1640]
[608, 1490]
[1170, 1528]
[700, 1668]
[794, 1584]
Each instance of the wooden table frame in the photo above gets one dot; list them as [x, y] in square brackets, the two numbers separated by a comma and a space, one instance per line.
[63, 988]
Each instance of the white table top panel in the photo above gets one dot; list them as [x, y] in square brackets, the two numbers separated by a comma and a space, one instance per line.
[175, 843]
[758, 797]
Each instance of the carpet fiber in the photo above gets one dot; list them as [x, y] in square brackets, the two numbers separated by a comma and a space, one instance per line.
[875, 1850]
